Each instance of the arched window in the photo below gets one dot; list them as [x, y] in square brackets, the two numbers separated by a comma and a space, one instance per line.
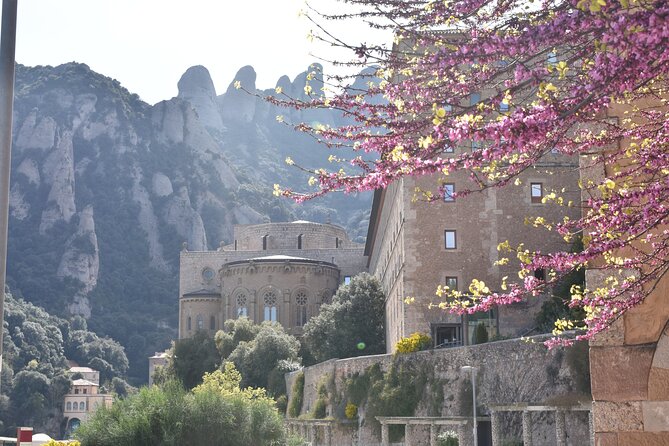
[68, 406]
[301, 301]
[264, 242]
[299, 241]
[200, 322]
[269, 298]
[212, 323]
[82, 406]
[188, 324]
[241, 305]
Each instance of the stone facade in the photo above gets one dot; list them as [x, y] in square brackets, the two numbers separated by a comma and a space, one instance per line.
[82, 401]
[406, 245]
[509, 372]
[274, 271]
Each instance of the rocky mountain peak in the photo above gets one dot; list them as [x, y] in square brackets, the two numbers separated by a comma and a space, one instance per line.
[237, 105]
[196, 87]
[196, 81]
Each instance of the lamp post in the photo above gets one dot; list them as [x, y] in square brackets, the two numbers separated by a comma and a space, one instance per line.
[469, 368]
[7, 60]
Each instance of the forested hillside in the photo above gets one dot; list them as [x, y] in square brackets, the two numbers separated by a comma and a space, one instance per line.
[105, 189]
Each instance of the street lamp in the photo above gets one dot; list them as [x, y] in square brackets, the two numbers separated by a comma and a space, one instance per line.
[469, 368]
[7, 60]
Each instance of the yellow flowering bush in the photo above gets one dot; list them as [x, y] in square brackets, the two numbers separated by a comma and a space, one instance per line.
[414, 343]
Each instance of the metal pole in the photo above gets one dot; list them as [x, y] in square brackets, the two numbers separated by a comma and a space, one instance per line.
[469, 368]
[7, 62]
[474, 405]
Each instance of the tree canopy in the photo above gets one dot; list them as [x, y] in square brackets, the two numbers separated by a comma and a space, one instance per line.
[217, 412]
[352, 325]
[262, 353]
[516, 82]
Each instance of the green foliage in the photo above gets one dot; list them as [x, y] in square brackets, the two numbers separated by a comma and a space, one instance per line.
[481, 334]
[297, 397]
[282, 404]
[397, 392]
[354, 318]
[320, 406]
[216, 412]
[262, 353]
[102, 354]
[34, 378]
[414, 343]
[193, 357]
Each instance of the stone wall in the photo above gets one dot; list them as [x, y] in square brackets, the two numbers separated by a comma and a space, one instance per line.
[630, 374]
[285, 236]
[511, 371]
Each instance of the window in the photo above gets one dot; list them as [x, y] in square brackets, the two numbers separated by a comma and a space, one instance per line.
[476, 145]
[200, 322]
[188, 323]
[347, 280]
[68, 406]
[452, 283]
[503, 107]
[241, 305]
[536, 192]
[449, 190]
[540, 273]
[208, 274]
[270, 306]
[475, 98]
[85, 390]
[301, 301]
[336, 242]
[212, 323]
[76, 391]
[264, 242]
[82, 406]
[449, 239]
[235, 245]
[299, 241]
[447, 335]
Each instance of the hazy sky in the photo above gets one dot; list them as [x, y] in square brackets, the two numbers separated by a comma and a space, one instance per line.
[148, 44]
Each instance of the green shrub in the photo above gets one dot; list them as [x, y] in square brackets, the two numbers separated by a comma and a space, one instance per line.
[414, 343]
[297, 397]
[282, 404]
[351, 411]
[320, 407]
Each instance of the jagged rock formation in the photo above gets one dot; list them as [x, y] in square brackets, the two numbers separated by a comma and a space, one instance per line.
[184, 170]
[197, 88]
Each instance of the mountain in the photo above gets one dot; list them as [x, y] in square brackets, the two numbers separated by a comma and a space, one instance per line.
[106, 188]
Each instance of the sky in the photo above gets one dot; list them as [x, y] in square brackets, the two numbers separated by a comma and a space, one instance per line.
[148, 44]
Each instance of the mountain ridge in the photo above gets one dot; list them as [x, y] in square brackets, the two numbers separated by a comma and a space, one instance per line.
[105, 188]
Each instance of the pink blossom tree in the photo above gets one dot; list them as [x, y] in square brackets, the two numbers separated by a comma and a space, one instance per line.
[585, 78]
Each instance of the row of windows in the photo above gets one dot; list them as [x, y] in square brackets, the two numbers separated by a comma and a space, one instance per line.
[199, 322]
[81, 407]
[536, 192]
[300, 242]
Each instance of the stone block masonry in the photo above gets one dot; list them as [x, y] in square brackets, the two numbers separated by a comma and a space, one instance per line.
[513, 371]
